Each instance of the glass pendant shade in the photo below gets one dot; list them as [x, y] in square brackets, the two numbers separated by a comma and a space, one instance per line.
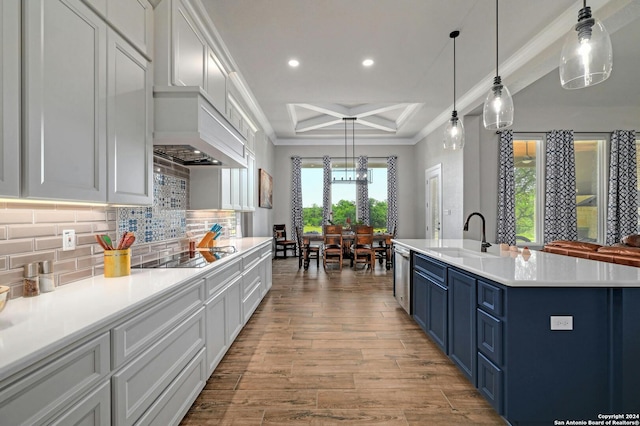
[454, 133]
[587, 56]
[497, 112]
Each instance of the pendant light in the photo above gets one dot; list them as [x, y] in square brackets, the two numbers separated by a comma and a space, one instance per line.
[587, 56]
[498, 106]
[454, 131]
[351, 174]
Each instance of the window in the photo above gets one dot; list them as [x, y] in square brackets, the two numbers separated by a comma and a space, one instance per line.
[591, 185]
[311, 196]
[528, 196]
[590, 182]
[343, 197]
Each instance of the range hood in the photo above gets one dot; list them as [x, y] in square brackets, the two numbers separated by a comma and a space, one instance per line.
[185, 121]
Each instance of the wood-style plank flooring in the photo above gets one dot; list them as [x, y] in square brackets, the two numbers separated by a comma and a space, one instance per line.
[336, 348]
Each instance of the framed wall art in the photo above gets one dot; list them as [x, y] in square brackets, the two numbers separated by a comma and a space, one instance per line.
[265, 190]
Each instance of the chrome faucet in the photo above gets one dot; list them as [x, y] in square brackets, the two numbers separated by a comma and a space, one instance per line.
[485, 244]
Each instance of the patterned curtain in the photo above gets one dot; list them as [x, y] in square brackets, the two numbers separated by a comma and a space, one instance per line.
[392, 194]
[506, 191]
[622, 207]
[326, 189]
[362, 192]
[296, 195]
[560, 218]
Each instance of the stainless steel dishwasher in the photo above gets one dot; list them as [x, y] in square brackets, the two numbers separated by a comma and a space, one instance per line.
[402, 277]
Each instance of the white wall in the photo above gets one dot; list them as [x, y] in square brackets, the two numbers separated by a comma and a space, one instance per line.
[260, 222]
[407, 188]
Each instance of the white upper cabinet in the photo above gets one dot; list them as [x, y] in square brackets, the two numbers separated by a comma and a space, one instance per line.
[129, 115]
[87, 96]
[189, 49]
[185, 55]
[65, 88]
[10, 98]
[133, 19]
[216, 84]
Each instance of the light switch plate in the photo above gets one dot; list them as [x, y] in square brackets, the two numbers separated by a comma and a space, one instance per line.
[564, 322]
[68, 239]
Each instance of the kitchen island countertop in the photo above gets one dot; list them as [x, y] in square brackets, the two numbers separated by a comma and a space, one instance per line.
[512, 269]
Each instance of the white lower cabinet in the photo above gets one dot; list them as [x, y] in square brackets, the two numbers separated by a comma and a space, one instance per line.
[92, 410]
[147, 366]
[63, 378]
[139, 383]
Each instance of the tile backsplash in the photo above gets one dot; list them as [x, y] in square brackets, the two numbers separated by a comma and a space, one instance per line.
[32, 232]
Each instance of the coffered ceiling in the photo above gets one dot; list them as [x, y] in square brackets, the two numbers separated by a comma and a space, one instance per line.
[408, 91]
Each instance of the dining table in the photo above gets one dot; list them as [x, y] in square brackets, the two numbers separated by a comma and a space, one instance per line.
[381, 238]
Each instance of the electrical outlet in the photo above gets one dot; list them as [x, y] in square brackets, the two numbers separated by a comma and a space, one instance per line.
[68, 239]
[562, 322]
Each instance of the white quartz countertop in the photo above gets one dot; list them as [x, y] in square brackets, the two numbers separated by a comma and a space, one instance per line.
[512, 269]
[33, 327]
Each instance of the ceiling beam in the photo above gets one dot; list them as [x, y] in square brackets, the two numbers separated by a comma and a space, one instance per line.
[316, 123]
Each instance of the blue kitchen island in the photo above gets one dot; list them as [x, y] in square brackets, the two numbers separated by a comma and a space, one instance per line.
[545, 338]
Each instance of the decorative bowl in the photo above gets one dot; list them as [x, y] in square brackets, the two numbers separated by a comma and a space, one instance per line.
[4, 296]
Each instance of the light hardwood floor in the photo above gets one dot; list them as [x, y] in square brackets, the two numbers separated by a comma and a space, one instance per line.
[336, 348]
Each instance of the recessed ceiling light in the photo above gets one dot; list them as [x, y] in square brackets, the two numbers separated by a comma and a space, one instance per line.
[293, 63]
[367, 62]
[195, 151]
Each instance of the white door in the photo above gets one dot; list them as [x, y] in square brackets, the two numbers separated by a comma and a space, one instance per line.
[433, 202]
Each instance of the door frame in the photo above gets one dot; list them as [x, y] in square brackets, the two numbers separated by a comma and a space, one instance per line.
[429, 174]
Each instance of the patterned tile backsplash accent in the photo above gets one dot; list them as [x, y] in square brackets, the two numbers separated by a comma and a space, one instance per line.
[166, 219]
[32, 232]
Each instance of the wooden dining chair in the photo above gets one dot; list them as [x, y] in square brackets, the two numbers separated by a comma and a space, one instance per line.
[306, 251]
[383, 250]
[362, 247]
[332, 245]
[282, 243]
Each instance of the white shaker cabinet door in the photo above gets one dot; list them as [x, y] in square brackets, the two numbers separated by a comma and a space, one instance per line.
[65, 87]
[129, 117]
[189, 48]
[10, 98]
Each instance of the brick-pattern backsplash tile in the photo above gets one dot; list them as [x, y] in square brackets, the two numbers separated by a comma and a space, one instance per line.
[32, 232]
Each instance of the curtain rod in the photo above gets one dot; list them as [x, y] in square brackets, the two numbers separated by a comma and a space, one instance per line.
[320, 158]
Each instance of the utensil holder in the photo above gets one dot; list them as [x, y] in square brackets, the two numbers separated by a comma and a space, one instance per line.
[117, 263]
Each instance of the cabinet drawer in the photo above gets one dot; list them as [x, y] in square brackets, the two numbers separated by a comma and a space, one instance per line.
[94, 409]
[490, 298]
[250, 258]
[33, 399]
[173, 404]
[434, 269]
[140, 332]
[266, 250]
[250, 280]
[251, 302]
[490, 382]
[138, 384]
[490, 336]
[221, 277]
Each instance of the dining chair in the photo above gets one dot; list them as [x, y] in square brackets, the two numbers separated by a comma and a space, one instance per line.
[306, 251]
[383, 251]
[332, 245]
[362, 247]
[282, 243]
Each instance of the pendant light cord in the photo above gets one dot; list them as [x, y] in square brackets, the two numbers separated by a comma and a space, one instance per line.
[497, 73]
[454, 73]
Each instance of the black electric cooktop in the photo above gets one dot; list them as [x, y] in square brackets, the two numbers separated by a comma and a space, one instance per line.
[198, 258]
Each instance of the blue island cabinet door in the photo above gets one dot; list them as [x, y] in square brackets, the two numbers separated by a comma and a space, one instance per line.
[419, 299]
[462, 322]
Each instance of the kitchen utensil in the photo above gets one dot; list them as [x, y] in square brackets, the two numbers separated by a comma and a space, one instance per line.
[128, 241]
[107, 241]
[4, 296]
[102, 243]
[121, 242]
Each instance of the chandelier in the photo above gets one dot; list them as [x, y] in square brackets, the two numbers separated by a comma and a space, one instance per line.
[352, 174]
